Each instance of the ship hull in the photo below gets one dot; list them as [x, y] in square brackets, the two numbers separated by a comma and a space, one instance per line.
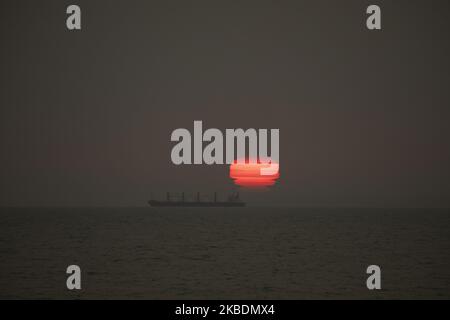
[155, 203]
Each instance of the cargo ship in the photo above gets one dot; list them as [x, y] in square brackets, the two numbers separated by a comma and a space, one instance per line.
[233, 200]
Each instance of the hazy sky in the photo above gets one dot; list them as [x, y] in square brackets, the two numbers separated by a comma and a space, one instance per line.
[86, 116]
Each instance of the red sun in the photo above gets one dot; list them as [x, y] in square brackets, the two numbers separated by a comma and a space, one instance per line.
[254, 175]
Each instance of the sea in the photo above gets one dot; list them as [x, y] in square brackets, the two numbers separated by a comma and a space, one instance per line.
[224, 253]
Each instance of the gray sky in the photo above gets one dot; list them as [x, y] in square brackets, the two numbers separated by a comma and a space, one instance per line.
[86, 117]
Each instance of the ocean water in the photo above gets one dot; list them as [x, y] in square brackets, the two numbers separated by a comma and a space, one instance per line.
[224, 253]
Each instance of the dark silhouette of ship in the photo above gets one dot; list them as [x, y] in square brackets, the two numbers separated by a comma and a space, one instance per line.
[233, 200]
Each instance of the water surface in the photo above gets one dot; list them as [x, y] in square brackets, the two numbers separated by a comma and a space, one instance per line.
[224, 253]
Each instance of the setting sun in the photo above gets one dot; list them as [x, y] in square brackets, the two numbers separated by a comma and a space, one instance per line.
[254, 175]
